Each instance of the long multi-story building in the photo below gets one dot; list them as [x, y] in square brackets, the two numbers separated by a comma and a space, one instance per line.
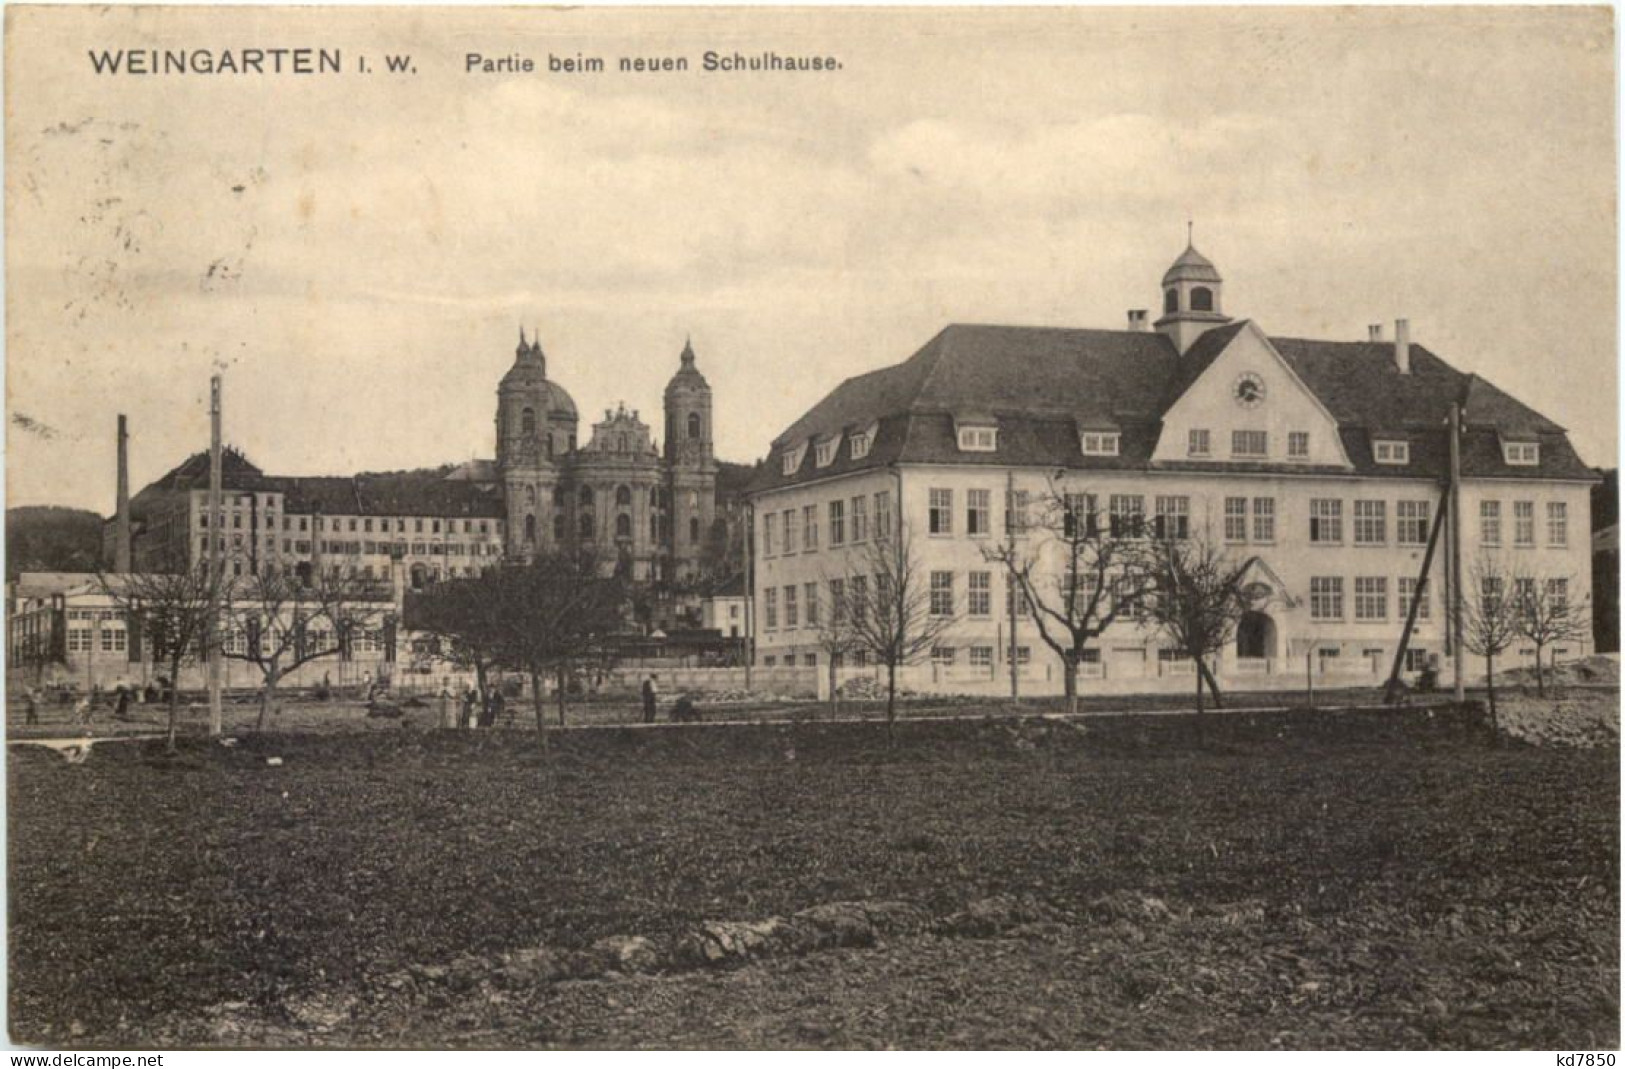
[616, 495]
[1320, 464]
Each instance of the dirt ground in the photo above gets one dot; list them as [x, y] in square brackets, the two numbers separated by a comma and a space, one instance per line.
[1391, 879]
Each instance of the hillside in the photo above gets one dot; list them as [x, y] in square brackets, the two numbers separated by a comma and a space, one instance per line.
[44, 538]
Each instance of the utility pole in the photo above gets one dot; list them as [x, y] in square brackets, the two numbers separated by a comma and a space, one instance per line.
[1455, 550]
[217, 568]
[750, 590]
[1012, 517]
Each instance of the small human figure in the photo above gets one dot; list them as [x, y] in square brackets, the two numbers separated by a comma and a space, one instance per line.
[121, 711]
[85, 711]
[31, 706]
[445, 703]
[683, 711]
[651, 697]
[493, 710]
[471, 698]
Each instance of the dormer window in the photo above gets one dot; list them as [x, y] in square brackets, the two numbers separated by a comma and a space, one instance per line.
[1392, 451]
[978, 439]
[859, 447]
[1521, 454]
[824, 452]
[793, 457]
[1101, 443]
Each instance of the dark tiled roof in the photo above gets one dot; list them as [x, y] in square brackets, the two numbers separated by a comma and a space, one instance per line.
[1043, 384]
[402, 493]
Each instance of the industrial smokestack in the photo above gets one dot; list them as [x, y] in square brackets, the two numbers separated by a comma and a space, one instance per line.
[1402, 345]
[121, 521]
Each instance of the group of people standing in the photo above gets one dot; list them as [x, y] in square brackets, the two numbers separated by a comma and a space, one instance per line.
[472, 710]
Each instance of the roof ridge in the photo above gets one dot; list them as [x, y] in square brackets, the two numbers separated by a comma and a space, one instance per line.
[935, 347]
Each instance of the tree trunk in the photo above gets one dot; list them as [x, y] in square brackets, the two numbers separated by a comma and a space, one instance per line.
[479, 685]
[1070, 664]
[539, 704]
[891, 704]
[561, 695]
[267, 696]
[1212, 682]
[1540, 678]
[174, 703]
[1198, 689]
[1489, 679]
[834, 700]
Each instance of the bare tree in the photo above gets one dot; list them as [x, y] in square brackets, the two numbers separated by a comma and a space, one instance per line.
[463, 618]
[892, 613]
[1196, 601]
[1547, 615]
[553, 612]
[836, 635]
[1489, 616]
[1077, 575]
[279, 623]
[176, 612]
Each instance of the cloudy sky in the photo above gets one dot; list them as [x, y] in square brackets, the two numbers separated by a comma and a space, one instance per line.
[358, 252]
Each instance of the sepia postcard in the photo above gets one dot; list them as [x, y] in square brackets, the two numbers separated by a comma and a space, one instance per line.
[826, 528]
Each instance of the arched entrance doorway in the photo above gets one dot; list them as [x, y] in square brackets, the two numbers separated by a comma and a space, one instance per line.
[1255, 635]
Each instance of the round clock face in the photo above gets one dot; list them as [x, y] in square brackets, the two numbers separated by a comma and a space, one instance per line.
[1249, 390]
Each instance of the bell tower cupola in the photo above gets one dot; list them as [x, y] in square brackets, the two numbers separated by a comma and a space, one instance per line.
[1192, 298]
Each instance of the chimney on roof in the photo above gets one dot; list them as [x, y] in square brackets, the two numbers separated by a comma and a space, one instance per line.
[1137, 319]
[121, 521]
[1402, 345]
[1374, 332]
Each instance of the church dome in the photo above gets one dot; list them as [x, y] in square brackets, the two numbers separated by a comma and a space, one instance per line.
[529, 376]
[687, 374]
[1191, 266]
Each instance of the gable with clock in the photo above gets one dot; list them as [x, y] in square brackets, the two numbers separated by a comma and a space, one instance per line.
[1249, 388]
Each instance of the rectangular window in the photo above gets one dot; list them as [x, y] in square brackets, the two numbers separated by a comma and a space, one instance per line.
[1490, 590]
[1408, 591]
[811, 608]
[1523, 523]
[1127, 516]
[1371, 597]
[860, 446]
[1557, 523]
[1078, 516]
[1489, 522]
[809, 528]
[860, 519]
[1370, 523]
[980, 598]
[1101, 443]
[790, 615]
[1264, 519]
[1325, 520]
[1326, 597]
[1015, 595]
[771, 608]
[1411, 522]
[1557, 595]
[1201, 443]
[883, 514]
[1297, 445]
[837, 601]
[1388, 451]
[1521, 454]
[824, 452]
[1173, 517]
[1523, 590]
[1024, 656]
[981, 656]
[978, 512]
[978, 439]
[1249, 443]
[787, 525]
[1016, 503]
[837, 523]
[1235, 519]
[940, 517]
[943, 656]
[860, 594]
[942, 593]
